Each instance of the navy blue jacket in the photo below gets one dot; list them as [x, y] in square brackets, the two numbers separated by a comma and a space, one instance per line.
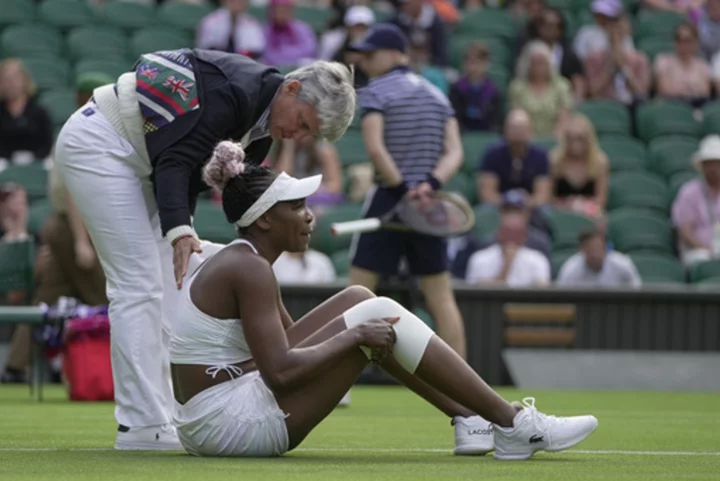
[234, 91]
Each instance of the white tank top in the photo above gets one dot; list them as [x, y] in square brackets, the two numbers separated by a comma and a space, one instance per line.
[201, 339]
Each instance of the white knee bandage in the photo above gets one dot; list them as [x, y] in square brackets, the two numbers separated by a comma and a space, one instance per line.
[413, 335]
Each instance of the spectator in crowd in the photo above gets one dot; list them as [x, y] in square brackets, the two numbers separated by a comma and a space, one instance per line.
[231, 29]
[689, 8]
[614, 69]
[515, 163]
[308, 267]
[551, 29]
[509, 262]
[319, 157]
[419, 55]
[334, 43]
[422, 24]
[539, 90]
[594, 265]
[447, 10]
[696, 210]
[14, 224]
[475, 98]
[289, 41]
[683, 75]
[527, 10]
[26, 131]
[709, 28]
[579, 169]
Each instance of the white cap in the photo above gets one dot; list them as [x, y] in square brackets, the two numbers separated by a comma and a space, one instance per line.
[283, 188]
[709, 150]
[359, 15]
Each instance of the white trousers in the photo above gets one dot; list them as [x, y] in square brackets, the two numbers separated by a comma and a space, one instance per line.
[110, 185]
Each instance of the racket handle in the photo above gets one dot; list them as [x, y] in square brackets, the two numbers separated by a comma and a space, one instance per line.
[354, 226]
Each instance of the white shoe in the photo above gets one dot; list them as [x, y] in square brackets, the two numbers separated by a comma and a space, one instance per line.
[473, 436]
[534, 431]
[345, 401]
[152, 438]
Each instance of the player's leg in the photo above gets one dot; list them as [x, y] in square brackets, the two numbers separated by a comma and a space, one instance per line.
[427, 258]
[110, 197]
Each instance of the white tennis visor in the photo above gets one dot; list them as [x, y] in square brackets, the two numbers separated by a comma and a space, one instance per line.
[284, 188]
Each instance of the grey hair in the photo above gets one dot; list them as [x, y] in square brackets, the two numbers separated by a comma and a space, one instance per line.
[536, 46]
[328, 87]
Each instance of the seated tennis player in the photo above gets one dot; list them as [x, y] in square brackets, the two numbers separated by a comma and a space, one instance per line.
[250, 381]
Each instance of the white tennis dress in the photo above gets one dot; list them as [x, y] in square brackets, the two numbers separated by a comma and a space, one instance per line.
[239, 417]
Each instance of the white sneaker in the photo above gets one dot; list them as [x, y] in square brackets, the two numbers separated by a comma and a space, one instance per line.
[152, 438]
[473, 436]
[345, 401]
[534, 431]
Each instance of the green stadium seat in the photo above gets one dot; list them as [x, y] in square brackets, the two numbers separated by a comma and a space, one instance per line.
[15, 12]
[341, 262]
[67, 14]
[322, 239]
[128, 15]
[154, 39]
[640, 190]
[351, 148]
[565, 226]
[660, 118]
[17, 261]
[558, 258]
[671, 155]
[211, 224]
[464, 185]
[704, 270]
[657, 24]
[32, 177]
[114, 68]
[49, 74]
[39, 213]
[624, 153]
[608, 117]
[487, 221]
[710, 282]
[60, 104]
[491, 22]
[711, 118]
[640, 230]
[680, 179]
[286, 69]
[97, 42]
[658, 269]
[501, 77]
[27, 41]
[356, 123]
[546, 142]
[500, 53]
[474, 146]
[316, 17]
[182, 15]
[654, 46]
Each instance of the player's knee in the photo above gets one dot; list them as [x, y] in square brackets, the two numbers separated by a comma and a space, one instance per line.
[357, 294]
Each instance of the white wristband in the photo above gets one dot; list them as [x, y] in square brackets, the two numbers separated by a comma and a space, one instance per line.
[180, 231]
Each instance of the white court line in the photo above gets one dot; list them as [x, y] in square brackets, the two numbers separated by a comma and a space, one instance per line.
[599, 452]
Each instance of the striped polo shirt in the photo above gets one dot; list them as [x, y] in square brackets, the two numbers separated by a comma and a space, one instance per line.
[415, 114]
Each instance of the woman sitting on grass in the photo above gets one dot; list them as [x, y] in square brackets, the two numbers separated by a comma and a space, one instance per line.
[249, 381]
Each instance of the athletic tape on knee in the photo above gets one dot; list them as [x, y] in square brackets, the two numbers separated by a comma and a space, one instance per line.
[413, 335]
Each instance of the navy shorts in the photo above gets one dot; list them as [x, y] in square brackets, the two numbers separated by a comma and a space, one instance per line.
[381, 251]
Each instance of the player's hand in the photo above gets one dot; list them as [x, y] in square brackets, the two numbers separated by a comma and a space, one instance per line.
[182, 250]
[379, 336]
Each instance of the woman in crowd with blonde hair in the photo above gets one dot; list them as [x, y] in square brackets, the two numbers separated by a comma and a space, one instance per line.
[540, 90]
[579, 169]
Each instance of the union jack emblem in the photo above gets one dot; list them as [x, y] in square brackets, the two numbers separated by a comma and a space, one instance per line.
[179, 86]
[148, 71]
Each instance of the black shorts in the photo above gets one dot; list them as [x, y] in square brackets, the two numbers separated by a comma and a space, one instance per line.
[381, 251]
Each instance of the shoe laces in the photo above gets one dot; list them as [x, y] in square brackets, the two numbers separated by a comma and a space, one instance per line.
[540, 421]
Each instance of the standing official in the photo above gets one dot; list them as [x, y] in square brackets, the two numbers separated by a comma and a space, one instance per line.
[132, 161]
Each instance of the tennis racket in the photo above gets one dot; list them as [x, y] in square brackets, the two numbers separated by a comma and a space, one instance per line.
[444, 214]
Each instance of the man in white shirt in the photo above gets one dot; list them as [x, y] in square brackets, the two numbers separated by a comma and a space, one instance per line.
[309, 267]
[595, 266]
[508, 261]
